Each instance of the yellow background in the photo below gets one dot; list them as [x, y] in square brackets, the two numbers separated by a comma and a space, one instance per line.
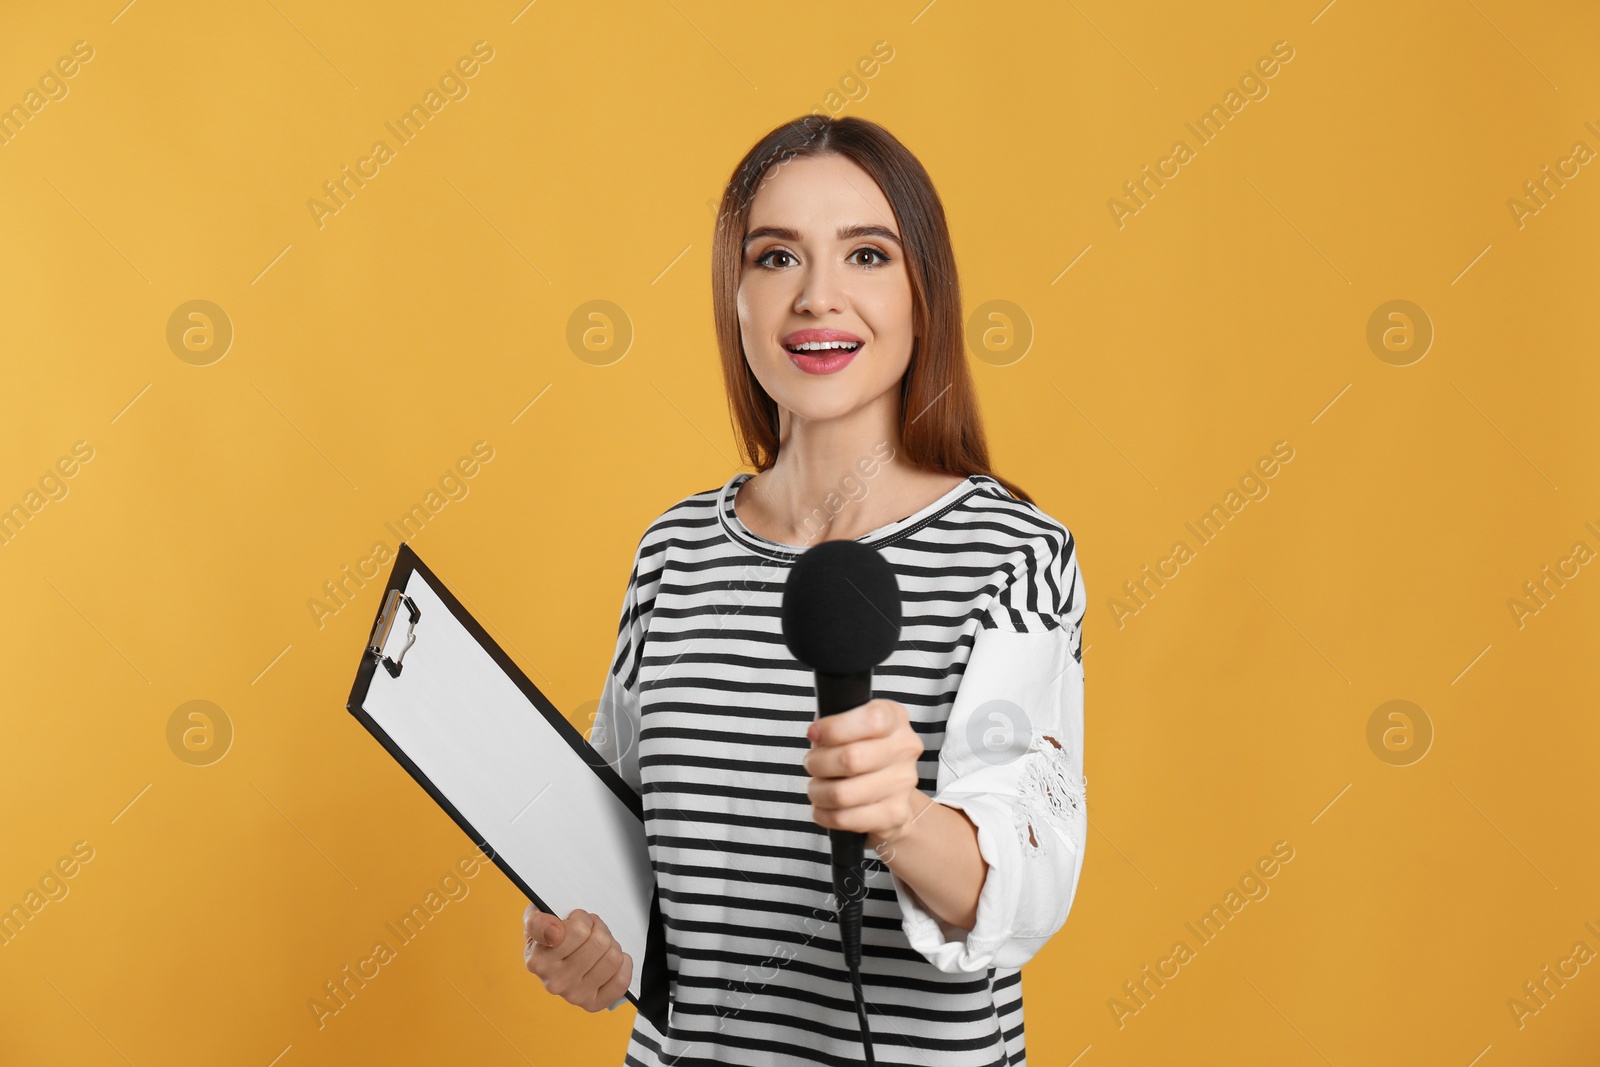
[430, 312]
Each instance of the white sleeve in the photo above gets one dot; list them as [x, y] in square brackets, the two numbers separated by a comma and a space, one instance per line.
[1012, 760]
[615, 733]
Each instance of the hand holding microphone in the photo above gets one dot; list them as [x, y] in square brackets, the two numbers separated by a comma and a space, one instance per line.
[863, 766]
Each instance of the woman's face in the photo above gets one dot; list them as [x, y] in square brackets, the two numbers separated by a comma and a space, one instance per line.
[822, 253]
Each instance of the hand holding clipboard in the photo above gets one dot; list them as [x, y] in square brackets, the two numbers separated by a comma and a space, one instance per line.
[491, 750]
[578, 960]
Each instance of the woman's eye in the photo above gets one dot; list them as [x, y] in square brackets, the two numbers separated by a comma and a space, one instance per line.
[882, 258]
[762, 259]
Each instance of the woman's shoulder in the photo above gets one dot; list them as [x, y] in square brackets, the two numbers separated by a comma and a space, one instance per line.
[689, 517]
[1039, 554]
[1007, 515]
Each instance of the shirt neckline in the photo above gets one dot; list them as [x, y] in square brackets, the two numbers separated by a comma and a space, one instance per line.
[736, 529]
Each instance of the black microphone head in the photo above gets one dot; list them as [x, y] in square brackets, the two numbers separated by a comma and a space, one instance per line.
[841, 608]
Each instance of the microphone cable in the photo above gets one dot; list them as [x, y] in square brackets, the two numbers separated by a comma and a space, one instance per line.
[850, 887]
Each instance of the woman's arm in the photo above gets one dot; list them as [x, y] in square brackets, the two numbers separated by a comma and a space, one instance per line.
[936, 854]
[1010, 762]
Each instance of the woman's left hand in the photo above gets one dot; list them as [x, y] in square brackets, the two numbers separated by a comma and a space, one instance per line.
[863, 767]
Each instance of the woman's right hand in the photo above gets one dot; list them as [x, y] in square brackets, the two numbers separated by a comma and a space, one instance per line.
[577, 959]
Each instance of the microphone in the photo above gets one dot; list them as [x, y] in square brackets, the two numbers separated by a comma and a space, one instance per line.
[841, 618]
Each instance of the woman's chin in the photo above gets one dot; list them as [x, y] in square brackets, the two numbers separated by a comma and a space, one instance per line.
[821, 402]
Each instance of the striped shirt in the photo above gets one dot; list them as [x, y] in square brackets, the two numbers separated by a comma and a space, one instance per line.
[704, 712]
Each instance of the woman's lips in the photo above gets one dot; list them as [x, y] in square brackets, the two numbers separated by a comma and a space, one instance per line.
[827, 362]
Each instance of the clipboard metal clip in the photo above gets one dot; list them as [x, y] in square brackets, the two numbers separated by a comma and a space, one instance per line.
[386, 621]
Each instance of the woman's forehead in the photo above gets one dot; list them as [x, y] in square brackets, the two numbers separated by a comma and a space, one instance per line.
[814, 195]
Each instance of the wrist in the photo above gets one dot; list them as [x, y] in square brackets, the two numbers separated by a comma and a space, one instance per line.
[920, 803]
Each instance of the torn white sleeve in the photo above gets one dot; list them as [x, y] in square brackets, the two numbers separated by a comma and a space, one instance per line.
[1012, 760]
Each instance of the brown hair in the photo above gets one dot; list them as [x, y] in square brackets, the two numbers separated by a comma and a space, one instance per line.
[940, 426]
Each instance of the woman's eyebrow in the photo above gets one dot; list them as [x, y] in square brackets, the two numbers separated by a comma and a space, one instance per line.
[846, 233]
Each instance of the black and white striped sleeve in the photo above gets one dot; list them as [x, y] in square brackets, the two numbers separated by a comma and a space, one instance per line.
[615, 734]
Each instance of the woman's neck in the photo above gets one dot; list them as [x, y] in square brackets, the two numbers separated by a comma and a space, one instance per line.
[838, 479]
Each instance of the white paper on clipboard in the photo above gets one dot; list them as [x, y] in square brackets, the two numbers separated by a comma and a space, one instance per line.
[512, 775]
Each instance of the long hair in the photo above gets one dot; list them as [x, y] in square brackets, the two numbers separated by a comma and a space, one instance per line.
[941, 428]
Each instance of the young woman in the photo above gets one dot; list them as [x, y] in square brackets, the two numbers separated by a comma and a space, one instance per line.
[838, 317]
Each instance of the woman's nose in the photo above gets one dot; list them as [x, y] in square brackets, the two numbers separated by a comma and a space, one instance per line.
[820, 291]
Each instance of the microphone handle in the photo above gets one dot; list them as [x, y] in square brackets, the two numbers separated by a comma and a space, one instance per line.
[837, 693]
[841, 692]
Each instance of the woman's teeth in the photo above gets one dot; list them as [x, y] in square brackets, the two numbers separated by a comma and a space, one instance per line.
[823, 346]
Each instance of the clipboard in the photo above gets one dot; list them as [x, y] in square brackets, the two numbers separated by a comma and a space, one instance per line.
[492, 750]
